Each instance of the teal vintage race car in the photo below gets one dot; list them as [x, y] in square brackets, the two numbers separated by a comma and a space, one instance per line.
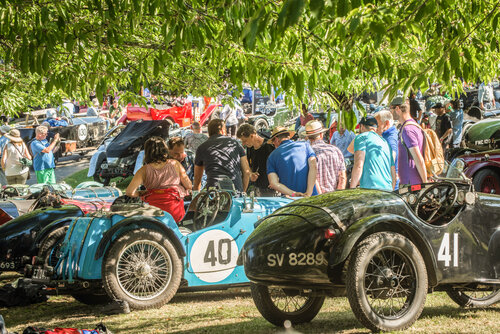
[139, 254]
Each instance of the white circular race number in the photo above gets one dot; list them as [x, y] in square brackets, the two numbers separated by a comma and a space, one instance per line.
[213, 256]
[82, 132]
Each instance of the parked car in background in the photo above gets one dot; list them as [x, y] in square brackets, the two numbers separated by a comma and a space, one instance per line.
[483, 135]
[118, 157]
[81, 134]
[180, 115]
[482, 167]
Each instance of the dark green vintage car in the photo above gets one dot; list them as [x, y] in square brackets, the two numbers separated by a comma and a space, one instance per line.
[483, 135]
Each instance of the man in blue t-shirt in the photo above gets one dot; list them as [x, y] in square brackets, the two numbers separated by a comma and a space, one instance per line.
[373, 162]
[388, 131]
[292, 166]
[43, 156]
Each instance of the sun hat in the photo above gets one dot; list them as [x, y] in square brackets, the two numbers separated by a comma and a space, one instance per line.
[14, 135]
[314, 127]
[279, 130]
[5, 128]
[368, 120]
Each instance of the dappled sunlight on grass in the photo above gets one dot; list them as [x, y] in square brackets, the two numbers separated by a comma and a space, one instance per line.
[233, 311]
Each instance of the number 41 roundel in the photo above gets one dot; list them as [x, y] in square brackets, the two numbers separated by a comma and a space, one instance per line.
[213, 256]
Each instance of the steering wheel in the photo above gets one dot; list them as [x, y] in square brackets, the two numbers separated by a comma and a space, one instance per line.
[207, 207]
[10, 191]
[436, 201]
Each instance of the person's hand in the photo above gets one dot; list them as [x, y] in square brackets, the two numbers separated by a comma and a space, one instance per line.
[56, 136]
[254, 176]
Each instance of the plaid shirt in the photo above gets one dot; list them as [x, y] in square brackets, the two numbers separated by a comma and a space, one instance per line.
[330, 163]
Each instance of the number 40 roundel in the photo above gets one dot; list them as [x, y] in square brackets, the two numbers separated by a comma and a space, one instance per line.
[213, 256]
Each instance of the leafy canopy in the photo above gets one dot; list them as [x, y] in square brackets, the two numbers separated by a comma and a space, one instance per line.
[338, 47]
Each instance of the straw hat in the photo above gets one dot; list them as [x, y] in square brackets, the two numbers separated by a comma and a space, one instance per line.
[14, 136]
[314, 127]
[279, 130]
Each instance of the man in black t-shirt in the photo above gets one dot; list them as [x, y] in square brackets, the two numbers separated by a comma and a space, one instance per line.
[221, 157]
[415, 109]
[444, 128]
[258, 150]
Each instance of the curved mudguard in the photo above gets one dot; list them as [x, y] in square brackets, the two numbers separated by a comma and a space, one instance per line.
[391, 222]
[88, 237]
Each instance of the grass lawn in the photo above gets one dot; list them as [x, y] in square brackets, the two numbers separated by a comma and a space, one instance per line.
[233, 311]
[81, 176]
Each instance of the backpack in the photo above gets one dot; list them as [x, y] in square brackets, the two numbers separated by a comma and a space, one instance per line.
[433, 151]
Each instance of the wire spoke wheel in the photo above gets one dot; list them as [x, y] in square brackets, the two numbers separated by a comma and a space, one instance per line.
[390, 283]
[144, 270]
[386, 282]
[288, 303]
[475, 296]
[278, 305]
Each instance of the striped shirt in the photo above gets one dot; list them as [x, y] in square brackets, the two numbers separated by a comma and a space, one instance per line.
[330, 163]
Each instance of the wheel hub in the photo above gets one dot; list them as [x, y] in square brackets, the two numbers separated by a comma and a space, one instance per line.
[143, 271]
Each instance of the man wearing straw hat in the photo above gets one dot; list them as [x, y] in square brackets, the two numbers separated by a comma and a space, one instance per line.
[291, 167]
[331, 166]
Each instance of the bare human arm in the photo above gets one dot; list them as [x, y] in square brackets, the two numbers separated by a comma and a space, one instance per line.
[4, 156]
[357, 169]
[274, 183]
[135, 183]
[419, 162]
[198, 173]
[393, 176]
[185, 181]
[446, 134]
[52, 145]
[245, 172]
[311, 175]
[342, 178]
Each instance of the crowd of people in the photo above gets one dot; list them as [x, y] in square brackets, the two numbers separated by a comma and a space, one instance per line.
[381, 155]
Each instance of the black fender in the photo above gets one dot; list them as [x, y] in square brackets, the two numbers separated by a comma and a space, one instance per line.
[384, 222]
[139, 221]
[51, 227]
[494, 252]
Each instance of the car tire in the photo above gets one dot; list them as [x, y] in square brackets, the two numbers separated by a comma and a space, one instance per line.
[261, 124]
[50, 245]
[373, 262]
[92, 298]
[469, 299]
[487, 181]
[275, 313]
[141, 292]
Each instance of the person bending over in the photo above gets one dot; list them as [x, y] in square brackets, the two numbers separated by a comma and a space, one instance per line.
[165, 180]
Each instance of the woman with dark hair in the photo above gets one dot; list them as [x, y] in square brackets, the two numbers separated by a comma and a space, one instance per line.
[165, 180]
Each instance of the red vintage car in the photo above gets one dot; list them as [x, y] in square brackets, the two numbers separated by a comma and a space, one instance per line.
[483, 168]
[181, 115]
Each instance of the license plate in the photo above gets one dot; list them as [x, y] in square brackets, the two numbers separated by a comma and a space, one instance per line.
[39, 274]
[104, 166]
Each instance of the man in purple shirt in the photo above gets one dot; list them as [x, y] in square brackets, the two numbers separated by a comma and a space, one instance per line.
[411, 163]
